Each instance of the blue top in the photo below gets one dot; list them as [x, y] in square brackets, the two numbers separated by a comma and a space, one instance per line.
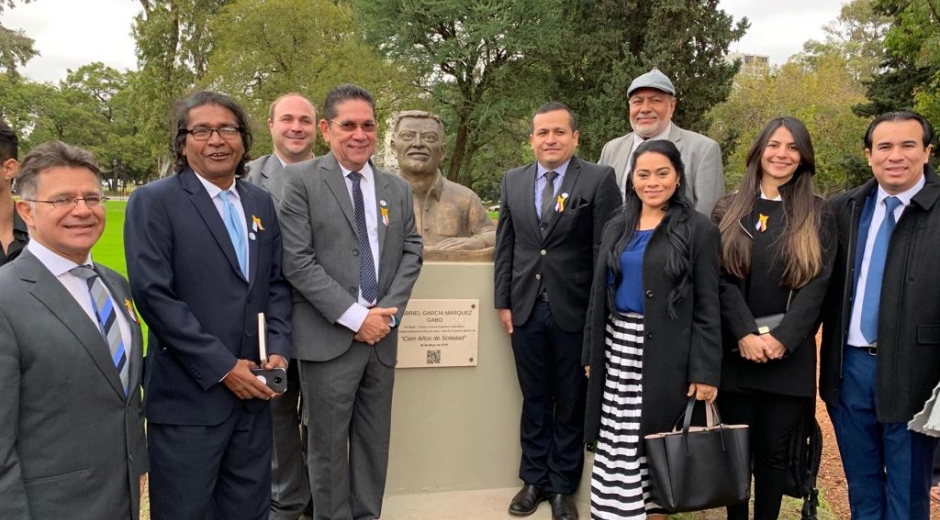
[629, 295]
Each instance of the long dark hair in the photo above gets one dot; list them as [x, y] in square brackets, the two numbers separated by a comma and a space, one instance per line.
[802, 249]
[674, 226]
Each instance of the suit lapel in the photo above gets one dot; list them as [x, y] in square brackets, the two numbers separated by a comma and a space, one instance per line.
[272, 178]
[51, 293]
[529, 214]
[381, 201]
[567, 186]
[250, 209]
[122, 302]
[210, 215]
[333, 176]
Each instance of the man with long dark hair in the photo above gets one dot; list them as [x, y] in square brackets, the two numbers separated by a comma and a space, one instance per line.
[204, 258]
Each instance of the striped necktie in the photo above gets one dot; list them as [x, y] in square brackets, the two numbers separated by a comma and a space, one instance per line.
[367, 282]
[103, 305]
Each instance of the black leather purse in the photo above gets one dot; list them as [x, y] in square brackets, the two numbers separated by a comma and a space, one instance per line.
[698, 468]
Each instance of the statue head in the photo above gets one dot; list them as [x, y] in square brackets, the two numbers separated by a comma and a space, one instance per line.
[418, 141]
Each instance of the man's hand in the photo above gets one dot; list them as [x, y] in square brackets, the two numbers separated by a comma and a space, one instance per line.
[275, 361]
[703, 392]
[244, 384]
[587, 371]
[505, 317]
[459, 243]
[376, 325]
[752, 348]
[773, 349]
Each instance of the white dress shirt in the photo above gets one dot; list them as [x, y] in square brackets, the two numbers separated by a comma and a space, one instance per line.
[236, 199]
[356, 313]
[540, 181]
[60, 267]
[856, 338]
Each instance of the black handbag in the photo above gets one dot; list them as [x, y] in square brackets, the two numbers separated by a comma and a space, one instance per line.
[698, 468]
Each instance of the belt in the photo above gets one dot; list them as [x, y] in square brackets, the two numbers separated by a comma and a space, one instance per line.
[543, 296]
[872, 349]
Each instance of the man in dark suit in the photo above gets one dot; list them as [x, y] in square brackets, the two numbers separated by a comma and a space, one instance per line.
[880, 358]
[204, 258]
[13, 232]
[352, 254]
[551, 215]
[71, 424]
[292, 120]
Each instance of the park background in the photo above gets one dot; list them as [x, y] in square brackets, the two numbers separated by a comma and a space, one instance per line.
[484, 66]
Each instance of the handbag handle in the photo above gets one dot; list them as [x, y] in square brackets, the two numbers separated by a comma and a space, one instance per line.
[710, 408]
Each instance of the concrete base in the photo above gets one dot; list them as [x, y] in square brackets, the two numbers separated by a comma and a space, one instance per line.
[486, 504]
[457, 428]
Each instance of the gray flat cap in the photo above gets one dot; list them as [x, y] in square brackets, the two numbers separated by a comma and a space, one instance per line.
[652, 79]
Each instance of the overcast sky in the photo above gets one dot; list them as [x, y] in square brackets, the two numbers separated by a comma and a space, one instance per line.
[72, 33]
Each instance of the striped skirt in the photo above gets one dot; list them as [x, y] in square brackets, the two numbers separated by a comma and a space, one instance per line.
[620, 479]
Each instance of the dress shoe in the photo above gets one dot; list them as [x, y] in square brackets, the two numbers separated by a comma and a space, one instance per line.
[563, 507]
[526, 501]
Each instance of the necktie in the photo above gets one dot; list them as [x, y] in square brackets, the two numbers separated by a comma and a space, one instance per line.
[107, 319]
[367, 283]
[548, 196]
[235, 231]
[876, 267]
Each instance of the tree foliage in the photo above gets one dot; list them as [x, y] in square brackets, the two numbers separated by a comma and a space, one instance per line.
[857, 36]
[821, 95]
[257, 57]
[617, 40]
[483, 64]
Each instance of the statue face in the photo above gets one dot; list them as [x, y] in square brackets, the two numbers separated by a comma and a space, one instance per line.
[419, 145]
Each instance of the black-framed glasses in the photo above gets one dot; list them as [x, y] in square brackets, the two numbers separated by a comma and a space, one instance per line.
[71, 202]
[202, 133]
[351, 126]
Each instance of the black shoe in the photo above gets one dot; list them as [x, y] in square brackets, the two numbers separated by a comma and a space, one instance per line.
[563, 507]
[526, 501]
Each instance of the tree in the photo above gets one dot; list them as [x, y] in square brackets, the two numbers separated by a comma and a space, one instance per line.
[256, 57]
[484, 64]
[821, 96]
[857, 35]
[621, 39]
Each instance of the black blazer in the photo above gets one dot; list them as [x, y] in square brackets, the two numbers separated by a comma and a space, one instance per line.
[561, 258]
[201, 311]
[909, 317]
[796, 373]
[676, 352]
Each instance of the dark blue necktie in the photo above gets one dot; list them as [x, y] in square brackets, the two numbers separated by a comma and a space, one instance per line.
[103, 305]
[367, 282]
[876, 267]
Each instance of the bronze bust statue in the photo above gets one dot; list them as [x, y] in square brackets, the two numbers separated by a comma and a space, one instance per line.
[449, 216]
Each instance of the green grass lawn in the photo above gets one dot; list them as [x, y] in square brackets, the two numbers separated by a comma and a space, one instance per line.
[109, 250]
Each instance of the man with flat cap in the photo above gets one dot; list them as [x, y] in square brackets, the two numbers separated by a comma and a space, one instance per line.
[652, 101]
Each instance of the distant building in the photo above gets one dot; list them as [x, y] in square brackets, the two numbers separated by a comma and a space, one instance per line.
[751, 64]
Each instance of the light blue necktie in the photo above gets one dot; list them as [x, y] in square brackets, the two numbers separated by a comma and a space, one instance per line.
[235, 231]
[876, 267]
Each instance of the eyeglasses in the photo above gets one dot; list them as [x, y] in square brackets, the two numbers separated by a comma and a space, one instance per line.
[351, 126]
[201, 133]
[71, 202]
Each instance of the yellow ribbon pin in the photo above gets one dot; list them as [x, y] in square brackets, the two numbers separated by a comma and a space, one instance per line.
[130, 309]
[384, 215]
[256, 223]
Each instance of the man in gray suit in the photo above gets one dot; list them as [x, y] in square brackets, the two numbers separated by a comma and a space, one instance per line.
[652, 102]
[292, 120]
[352, 254]
[71, 423]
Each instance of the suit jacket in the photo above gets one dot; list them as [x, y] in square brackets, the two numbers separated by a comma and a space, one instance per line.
[267, 172]
[321, 255]
[677, 351]
[909, 312]
[562, 257]
[705, 179]
[190, 290]
[71, 443]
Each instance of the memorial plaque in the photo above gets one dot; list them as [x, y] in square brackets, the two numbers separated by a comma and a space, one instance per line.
[439, 333]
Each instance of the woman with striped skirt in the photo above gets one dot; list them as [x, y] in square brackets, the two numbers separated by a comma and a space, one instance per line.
[652, 335]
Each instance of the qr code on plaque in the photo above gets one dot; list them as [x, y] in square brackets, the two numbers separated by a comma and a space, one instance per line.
[434, 357]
